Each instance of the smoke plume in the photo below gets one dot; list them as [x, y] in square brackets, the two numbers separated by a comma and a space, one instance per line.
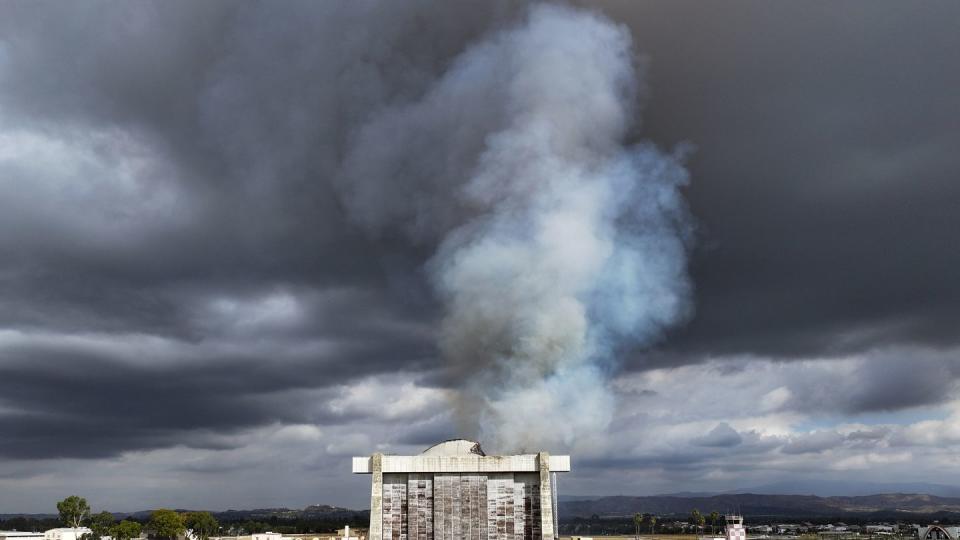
[557, 245]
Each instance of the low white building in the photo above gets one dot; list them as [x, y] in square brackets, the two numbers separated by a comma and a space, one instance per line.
[266, 536]
[20, 535]
[66, 533]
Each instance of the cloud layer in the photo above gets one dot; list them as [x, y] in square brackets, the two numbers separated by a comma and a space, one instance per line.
[203, 289]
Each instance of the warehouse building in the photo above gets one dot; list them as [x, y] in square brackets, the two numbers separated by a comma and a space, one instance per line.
[20, 535]
[453, 491]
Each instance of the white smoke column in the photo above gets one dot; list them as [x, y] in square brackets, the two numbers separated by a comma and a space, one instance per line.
[557, 245]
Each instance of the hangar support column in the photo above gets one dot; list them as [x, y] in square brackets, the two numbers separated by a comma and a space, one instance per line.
[546, 496]
[376, 498]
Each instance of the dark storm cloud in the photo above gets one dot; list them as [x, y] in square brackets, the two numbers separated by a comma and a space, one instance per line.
[884, 380]
[106, 406]
[695, 457]
[824, 184]
[825, 176]
[813, 443]
[238, 148]
[169, 177]
[721, 436]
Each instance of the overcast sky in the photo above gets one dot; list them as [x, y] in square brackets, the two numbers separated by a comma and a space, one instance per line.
[220, 227]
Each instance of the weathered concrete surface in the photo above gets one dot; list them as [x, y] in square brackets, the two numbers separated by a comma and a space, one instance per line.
[461, 464]
[546, 496]
[454, 492]
[376, 496]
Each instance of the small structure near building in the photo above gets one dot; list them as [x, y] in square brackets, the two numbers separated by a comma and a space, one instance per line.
[346, 534]
[938, 532]
[266, 536]
[734, 529]
[66, 533]
[788, 528]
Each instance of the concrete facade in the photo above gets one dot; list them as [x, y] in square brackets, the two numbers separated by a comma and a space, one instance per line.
[453, 491]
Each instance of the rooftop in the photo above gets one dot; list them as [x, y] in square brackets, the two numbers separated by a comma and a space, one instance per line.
[461, 456]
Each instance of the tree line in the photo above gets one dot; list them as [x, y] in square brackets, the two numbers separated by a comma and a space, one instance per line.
[697, 519]
[166, 524]
[163, 524]
[641, 523]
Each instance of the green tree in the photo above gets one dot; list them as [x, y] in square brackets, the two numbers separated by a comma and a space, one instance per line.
[202, 524]
[73, 511]
[166, 524]
[714, 516]
[696, 518]
[100, 525]
[126, 530]
[653, 523]
[637, 521]
[253, 527]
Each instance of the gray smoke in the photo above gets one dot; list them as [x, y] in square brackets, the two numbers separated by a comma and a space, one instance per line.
[557, 244]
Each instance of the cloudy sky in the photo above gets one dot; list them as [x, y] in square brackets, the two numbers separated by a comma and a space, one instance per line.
[241, 242]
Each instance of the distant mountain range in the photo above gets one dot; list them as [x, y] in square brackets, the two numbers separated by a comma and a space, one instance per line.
[759, 504]
[316, 511]
[822, 488]
[827, 488]
[888, 505]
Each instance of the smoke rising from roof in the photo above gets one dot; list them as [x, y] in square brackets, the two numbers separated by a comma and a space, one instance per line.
[556, 243]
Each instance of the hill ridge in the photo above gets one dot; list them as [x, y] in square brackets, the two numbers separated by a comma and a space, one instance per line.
[763, 504]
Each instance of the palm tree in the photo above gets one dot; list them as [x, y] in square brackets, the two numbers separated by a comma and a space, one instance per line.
[653, 523]
[637, 520]
[714, 516]
[696, 518]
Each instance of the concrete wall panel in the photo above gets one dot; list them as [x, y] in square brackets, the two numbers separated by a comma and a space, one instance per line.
[462, 497]
[395, 510]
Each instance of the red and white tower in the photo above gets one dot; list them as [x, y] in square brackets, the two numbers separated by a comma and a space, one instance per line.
[735, 530]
